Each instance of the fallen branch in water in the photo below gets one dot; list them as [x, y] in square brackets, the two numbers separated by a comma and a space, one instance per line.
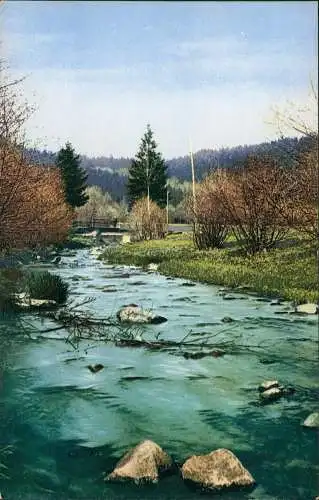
[80, 324]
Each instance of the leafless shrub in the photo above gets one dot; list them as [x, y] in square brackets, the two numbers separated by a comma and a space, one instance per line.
[254, 199]
[210, 221]
[147, 220]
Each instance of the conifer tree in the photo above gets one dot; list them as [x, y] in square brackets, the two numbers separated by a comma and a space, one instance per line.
[147, 173]
[73, 175]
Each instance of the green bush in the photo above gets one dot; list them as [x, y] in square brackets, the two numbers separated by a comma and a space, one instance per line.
[43, 285]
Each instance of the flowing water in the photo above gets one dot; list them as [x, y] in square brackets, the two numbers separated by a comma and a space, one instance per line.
[68, 426]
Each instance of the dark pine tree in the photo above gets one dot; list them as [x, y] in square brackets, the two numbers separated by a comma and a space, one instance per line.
[73, 175]
[147, 173]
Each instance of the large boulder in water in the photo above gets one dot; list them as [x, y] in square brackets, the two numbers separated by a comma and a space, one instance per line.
[307, 308]
[144, 463]
[218, 470]
[132, 313]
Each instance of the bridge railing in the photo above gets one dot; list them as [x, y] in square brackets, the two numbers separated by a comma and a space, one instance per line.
[100, 223]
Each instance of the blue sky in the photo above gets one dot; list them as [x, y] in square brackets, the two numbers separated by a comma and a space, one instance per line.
[205, 71]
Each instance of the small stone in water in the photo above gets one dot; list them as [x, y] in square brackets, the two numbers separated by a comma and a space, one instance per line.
[267, 361]
[95, 368]
[227, 319]
[217, 354]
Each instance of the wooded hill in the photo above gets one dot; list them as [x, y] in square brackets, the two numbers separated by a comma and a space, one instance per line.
[111, 173]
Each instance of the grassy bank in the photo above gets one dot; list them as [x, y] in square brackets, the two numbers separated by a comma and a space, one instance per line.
[289, 272]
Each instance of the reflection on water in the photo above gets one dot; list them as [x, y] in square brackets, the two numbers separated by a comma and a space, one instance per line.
[69, 426]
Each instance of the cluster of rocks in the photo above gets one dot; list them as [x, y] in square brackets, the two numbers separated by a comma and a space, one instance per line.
[271, 390]
[219, 470]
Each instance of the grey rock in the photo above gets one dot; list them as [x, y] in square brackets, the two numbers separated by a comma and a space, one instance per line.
[227, 319]
[307, 308]
[268, 384]
[216, 471]
[271, 394]
[312, 421]
[144, 463]
[132, 313]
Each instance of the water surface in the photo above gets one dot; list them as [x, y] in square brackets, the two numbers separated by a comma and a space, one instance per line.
[68, 426]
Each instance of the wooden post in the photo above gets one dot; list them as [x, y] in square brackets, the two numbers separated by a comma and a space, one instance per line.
[193, 177]
[167, 206]
[148, 183]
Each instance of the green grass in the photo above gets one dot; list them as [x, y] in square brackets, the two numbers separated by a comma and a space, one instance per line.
[289, 272]
[44, 285]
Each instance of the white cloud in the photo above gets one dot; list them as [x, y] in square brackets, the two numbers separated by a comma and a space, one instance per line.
[105, 110]
[237, 59]
[102, 118]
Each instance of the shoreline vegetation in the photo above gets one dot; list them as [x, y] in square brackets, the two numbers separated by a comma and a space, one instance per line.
[288, 272]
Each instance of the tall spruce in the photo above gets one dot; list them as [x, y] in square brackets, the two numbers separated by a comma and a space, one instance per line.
[73, 175]
[147, 173]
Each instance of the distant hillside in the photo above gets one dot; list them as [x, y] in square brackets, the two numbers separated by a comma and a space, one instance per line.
[110, 173]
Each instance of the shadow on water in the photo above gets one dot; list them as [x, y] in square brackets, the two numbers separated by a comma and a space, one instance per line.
[42, 468]
[271, 443]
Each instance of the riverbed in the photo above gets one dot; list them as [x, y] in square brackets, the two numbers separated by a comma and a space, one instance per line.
[68, 426]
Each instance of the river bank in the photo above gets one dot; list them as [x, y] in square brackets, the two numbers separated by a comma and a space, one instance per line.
[289, 272]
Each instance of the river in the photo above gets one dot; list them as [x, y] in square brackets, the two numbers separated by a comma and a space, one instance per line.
[68, 426]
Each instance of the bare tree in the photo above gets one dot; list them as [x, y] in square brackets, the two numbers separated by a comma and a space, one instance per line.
[210, 220]
[32, 208]
[253, 198]
[298, 119]
[303, 193]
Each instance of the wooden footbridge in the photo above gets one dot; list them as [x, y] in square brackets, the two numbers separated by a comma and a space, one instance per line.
[100, 224]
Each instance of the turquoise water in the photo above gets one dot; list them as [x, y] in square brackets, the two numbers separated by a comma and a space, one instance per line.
[67, 426]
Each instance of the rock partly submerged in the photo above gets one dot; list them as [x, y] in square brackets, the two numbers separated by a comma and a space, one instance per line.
[26, 302]
[271, 390]
[268, 384]
[95, 368]
[308, 308]
[271, 394]
[312, 421]
[204, 354]
[218, 470]
[144, 463]
[133, 313]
